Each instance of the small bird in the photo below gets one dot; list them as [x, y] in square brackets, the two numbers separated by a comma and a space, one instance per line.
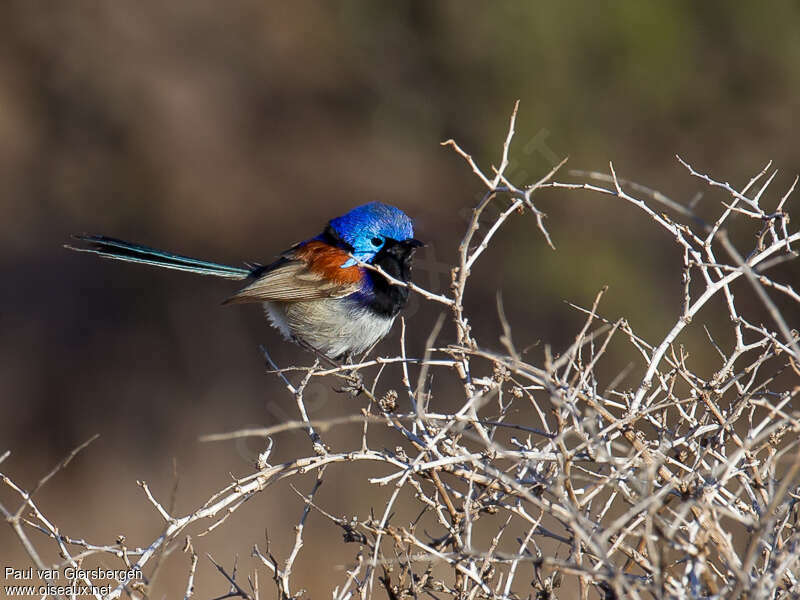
[316, 294]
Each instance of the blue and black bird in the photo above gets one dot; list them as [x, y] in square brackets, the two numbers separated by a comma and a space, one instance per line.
[316, 293]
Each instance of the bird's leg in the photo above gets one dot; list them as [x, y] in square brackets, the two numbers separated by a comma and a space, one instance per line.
[354, 381]
[322, 357]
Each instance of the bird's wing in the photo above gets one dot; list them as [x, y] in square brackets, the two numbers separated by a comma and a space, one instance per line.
[310, 272]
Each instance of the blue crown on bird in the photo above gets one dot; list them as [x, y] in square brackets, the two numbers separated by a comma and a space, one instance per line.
[366, 229]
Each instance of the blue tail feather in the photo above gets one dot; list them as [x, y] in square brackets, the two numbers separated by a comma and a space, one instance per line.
[119, 250]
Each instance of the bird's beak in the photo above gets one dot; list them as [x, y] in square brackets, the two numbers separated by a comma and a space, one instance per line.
[404, 249]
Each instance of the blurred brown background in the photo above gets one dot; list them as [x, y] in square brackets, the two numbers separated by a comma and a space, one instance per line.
[232, 130]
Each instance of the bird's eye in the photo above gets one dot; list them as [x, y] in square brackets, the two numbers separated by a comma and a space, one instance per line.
[377, 242]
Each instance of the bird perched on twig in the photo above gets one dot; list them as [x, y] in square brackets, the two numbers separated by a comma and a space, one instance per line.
[317, 293]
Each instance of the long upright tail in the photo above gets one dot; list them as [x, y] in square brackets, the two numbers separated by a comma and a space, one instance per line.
[118, 250]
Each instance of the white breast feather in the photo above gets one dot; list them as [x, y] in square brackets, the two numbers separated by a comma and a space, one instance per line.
[332, 326]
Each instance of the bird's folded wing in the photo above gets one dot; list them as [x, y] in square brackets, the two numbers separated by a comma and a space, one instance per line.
[290, 281]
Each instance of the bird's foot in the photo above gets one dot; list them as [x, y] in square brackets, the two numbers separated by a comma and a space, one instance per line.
[354, 384]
